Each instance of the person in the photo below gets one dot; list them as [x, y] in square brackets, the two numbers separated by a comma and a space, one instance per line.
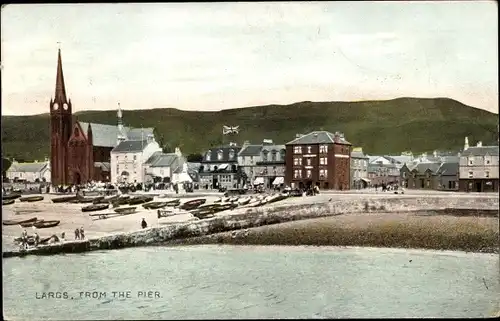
[143, 223]
[63, 235]
[24, 239]
[77, 234]
[37, 239]
[82, 233]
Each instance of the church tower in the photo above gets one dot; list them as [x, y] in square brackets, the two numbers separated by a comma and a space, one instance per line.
[60, 129]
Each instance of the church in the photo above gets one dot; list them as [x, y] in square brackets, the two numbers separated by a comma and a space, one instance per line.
[80, 152]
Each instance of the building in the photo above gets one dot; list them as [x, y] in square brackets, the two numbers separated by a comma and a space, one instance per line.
[248, 157]
[359, 169]
[128, 160]
[478, 169]
[447, 176]
[319, 158]
[420, 176]
[162, 167]
[219, 168]
[270, 169]
[80, 152]
[29, 172]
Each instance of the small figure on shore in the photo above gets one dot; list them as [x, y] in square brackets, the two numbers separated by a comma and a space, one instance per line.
[82, 233]
[77, 234]
[63, 235]
[24, 240]
[37, 239]
[143, 223]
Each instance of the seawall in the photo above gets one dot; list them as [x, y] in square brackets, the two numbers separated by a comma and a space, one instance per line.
[243, 218]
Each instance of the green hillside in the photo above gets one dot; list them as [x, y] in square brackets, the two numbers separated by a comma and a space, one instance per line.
[380, 127]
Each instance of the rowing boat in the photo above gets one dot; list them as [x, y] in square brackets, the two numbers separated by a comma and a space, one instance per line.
[174, 202]
[30, 224]
[125, 210]
[191, 205]
[64, 199]
[46, 224]
[17, 222]
[31, 198]
[95, 207]
[11, 196]
[165, 213]
[8, 202]
[154, 205]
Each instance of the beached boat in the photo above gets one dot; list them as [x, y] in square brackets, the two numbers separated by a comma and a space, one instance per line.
[35, 198]
[174, 202]
[11, 196]
[140, 200]
[64, 199]
[95, 207]
[163, 196]
[125, 210]
[8, 202]
[218, 200]
[154, 205]
[30, 224]
[203, 214]
[244, 201]
[99, 200]
[111, 198]
[165, 213]
[234, 199]
[191, 205]
[17, 222]
[46, 224]
[276, 198]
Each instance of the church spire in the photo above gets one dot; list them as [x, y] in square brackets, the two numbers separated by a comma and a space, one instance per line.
[60, 88]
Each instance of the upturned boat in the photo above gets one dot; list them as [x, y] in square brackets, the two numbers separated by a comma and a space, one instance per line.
[64, 199]
[244, 201]
[125, 210]
[8, 202]
[190, 205]
[202, 214]
[140, 200]
[95, 207]
[154, 205]
[35, 198]
[30, 224]
[11, 196]
[17, 222]
[46, 224]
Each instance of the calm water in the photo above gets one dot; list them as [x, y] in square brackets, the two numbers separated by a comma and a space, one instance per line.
[213, 282]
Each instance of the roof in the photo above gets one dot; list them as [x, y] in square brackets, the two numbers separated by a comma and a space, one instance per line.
[250, 150]
[104, 166]
[160, 159]
[270, 148]
[358, 154]
[400, 159]
[107, 135]
[449, 168]
[27, 167]
[318, 137]
[481, 151]
[225, 154]
[421, 168]
[130, 146]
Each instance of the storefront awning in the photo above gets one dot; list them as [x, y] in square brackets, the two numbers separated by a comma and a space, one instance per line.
[258, 181]
[222, 166]
[279, 180]
[366, 180]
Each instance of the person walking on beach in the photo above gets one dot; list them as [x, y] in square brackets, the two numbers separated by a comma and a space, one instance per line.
[63, 235]
[37, 239]
[143, 223]
[82, 233]
[77, 234]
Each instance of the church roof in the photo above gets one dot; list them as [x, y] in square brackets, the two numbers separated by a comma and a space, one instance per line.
[130, 146]
[107, 135]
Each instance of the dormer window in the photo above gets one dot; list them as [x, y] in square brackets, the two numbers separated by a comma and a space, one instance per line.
[220, 155]
[282, 154]
[231, 154]
[471, 160]
[264, 155]
[207, 157]
[273, 156]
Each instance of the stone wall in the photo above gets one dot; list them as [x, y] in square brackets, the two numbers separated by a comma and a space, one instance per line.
[253, 217]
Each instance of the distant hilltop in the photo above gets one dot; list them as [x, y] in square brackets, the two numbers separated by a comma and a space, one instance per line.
[380, 127]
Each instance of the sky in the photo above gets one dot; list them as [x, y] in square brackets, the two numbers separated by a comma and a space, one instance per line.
[213, 56]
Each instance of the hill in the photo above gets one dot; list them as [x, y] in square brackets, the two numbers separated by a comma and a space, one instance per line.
[380, 127]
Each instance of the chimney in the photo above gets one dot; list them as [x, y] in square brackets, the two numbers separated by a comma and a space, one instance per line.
[298, 135]
[466, 144]
[336, 137]
[178, 151]
[246, 143]
[341, 135]
[435, 153]
[150, 138]
[267, 142]
[479, 144]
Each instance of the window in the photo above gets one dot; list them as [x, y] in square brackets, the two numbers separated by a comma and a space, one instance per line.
[231, 154]
[251, 159]
[404, 174]
[135, 158]
[117, 158]
[428, 183]
[323, 161]
[471, 160]
[308, 162]
[297, 161]
[309, 173]
[487, 174]
[323, 174]
[309, 149]
[273, 156]
[323, 149]
[220, 155]
[297, 149]
[471, 174]
[297, 173]
[487, 162]
[264, 155]
[282, 154]
[207, 157]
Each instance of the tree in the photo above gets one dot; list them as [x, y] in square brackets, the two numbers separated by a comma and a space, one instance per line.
[195, 158]
[5, 165]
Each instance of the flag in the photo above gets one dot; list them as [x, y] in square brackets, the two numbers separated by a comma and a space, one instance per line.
[230, 130]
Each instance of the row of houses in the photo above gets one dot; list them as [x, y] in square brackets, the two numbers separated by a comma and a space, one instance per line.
[319, 158]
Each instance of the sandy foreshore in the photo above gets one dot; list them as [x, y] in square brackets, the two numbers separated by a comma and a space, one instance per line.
[399, 230]
[396, 229]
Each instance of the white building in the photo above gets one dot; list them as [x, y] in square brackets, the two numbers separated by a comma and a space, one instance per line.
[129, 157]
[29, 172]
[164, 165]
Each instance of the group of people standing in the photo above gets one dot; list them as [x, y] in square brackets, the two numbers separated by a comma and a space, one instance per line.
[79, 234]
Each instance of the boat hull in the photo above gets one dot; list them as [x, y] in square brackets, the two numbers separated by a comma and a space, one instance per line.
[95, 207]
[46, 224]
[31, 198]
[17, 222]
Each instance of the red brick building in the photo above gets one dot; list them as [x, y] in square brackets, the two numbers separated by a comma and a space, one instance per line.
[319, 158]
[80, 152]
